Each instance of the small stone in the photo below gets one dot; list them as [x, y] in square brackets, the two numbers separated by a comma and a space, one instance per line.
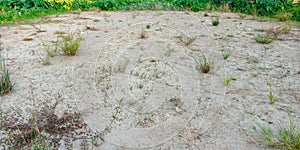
[178, 110]
[79, 125]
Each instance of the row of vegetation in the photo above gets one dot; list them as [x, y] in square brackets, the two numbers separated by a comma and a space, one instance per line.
[15, 10]
[44, 123]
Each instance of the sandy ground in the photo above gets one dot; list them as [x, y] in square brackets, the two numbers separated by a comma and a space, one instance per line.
[165, 102]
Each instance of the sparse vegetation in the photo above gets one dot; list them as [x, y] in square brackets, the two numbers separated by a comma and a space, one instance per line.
[286, 29]
[284, 16]
[224, 7]
[6, 85]
[205, 65]
[225, 55]
[51, 50]
[228, 80]
[287, 138]
[169, 52]
[274, 32]
[122, 65]
[140, 85]
[263, 39]
[42, 130]
[271, 96]
[46, 60]
[188, 41]
[71, 43]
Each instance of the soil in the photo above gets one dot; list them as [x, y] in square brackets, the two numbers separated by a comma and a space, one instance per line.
[141, 88]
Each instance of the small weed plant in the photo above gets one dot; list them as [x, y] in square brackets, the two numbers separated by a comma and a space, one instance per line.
[225, 7]
[140, 85]
[264, 39]
[271, 96]
[287, 138]
[187, 41]
[6, 85]
[286, 29]
[205, 66]
[228, 80]
[71, 43]
[148, 26]
[45, 60]
[51, 49]
[284, 16]
[274, 32]
[225, 55]
[122, 65]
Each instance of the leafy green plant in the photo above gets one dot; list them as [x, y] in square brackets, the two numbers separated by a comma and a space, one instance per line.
[71, 43]
[6, 85]
[296, 12]
[263, 39]
[140, 85]
[285, 138]
[148, 26]
[215, 22]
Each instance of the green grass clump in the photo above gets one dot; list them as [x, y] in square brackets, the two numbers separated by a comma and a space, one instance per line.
[205, 66]
[71, 44]
[6, 85]
[228, 80]
[225, 55]
[287, 138]
[271, 96]
[286, 29]
[263, 39]
[284, 16]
